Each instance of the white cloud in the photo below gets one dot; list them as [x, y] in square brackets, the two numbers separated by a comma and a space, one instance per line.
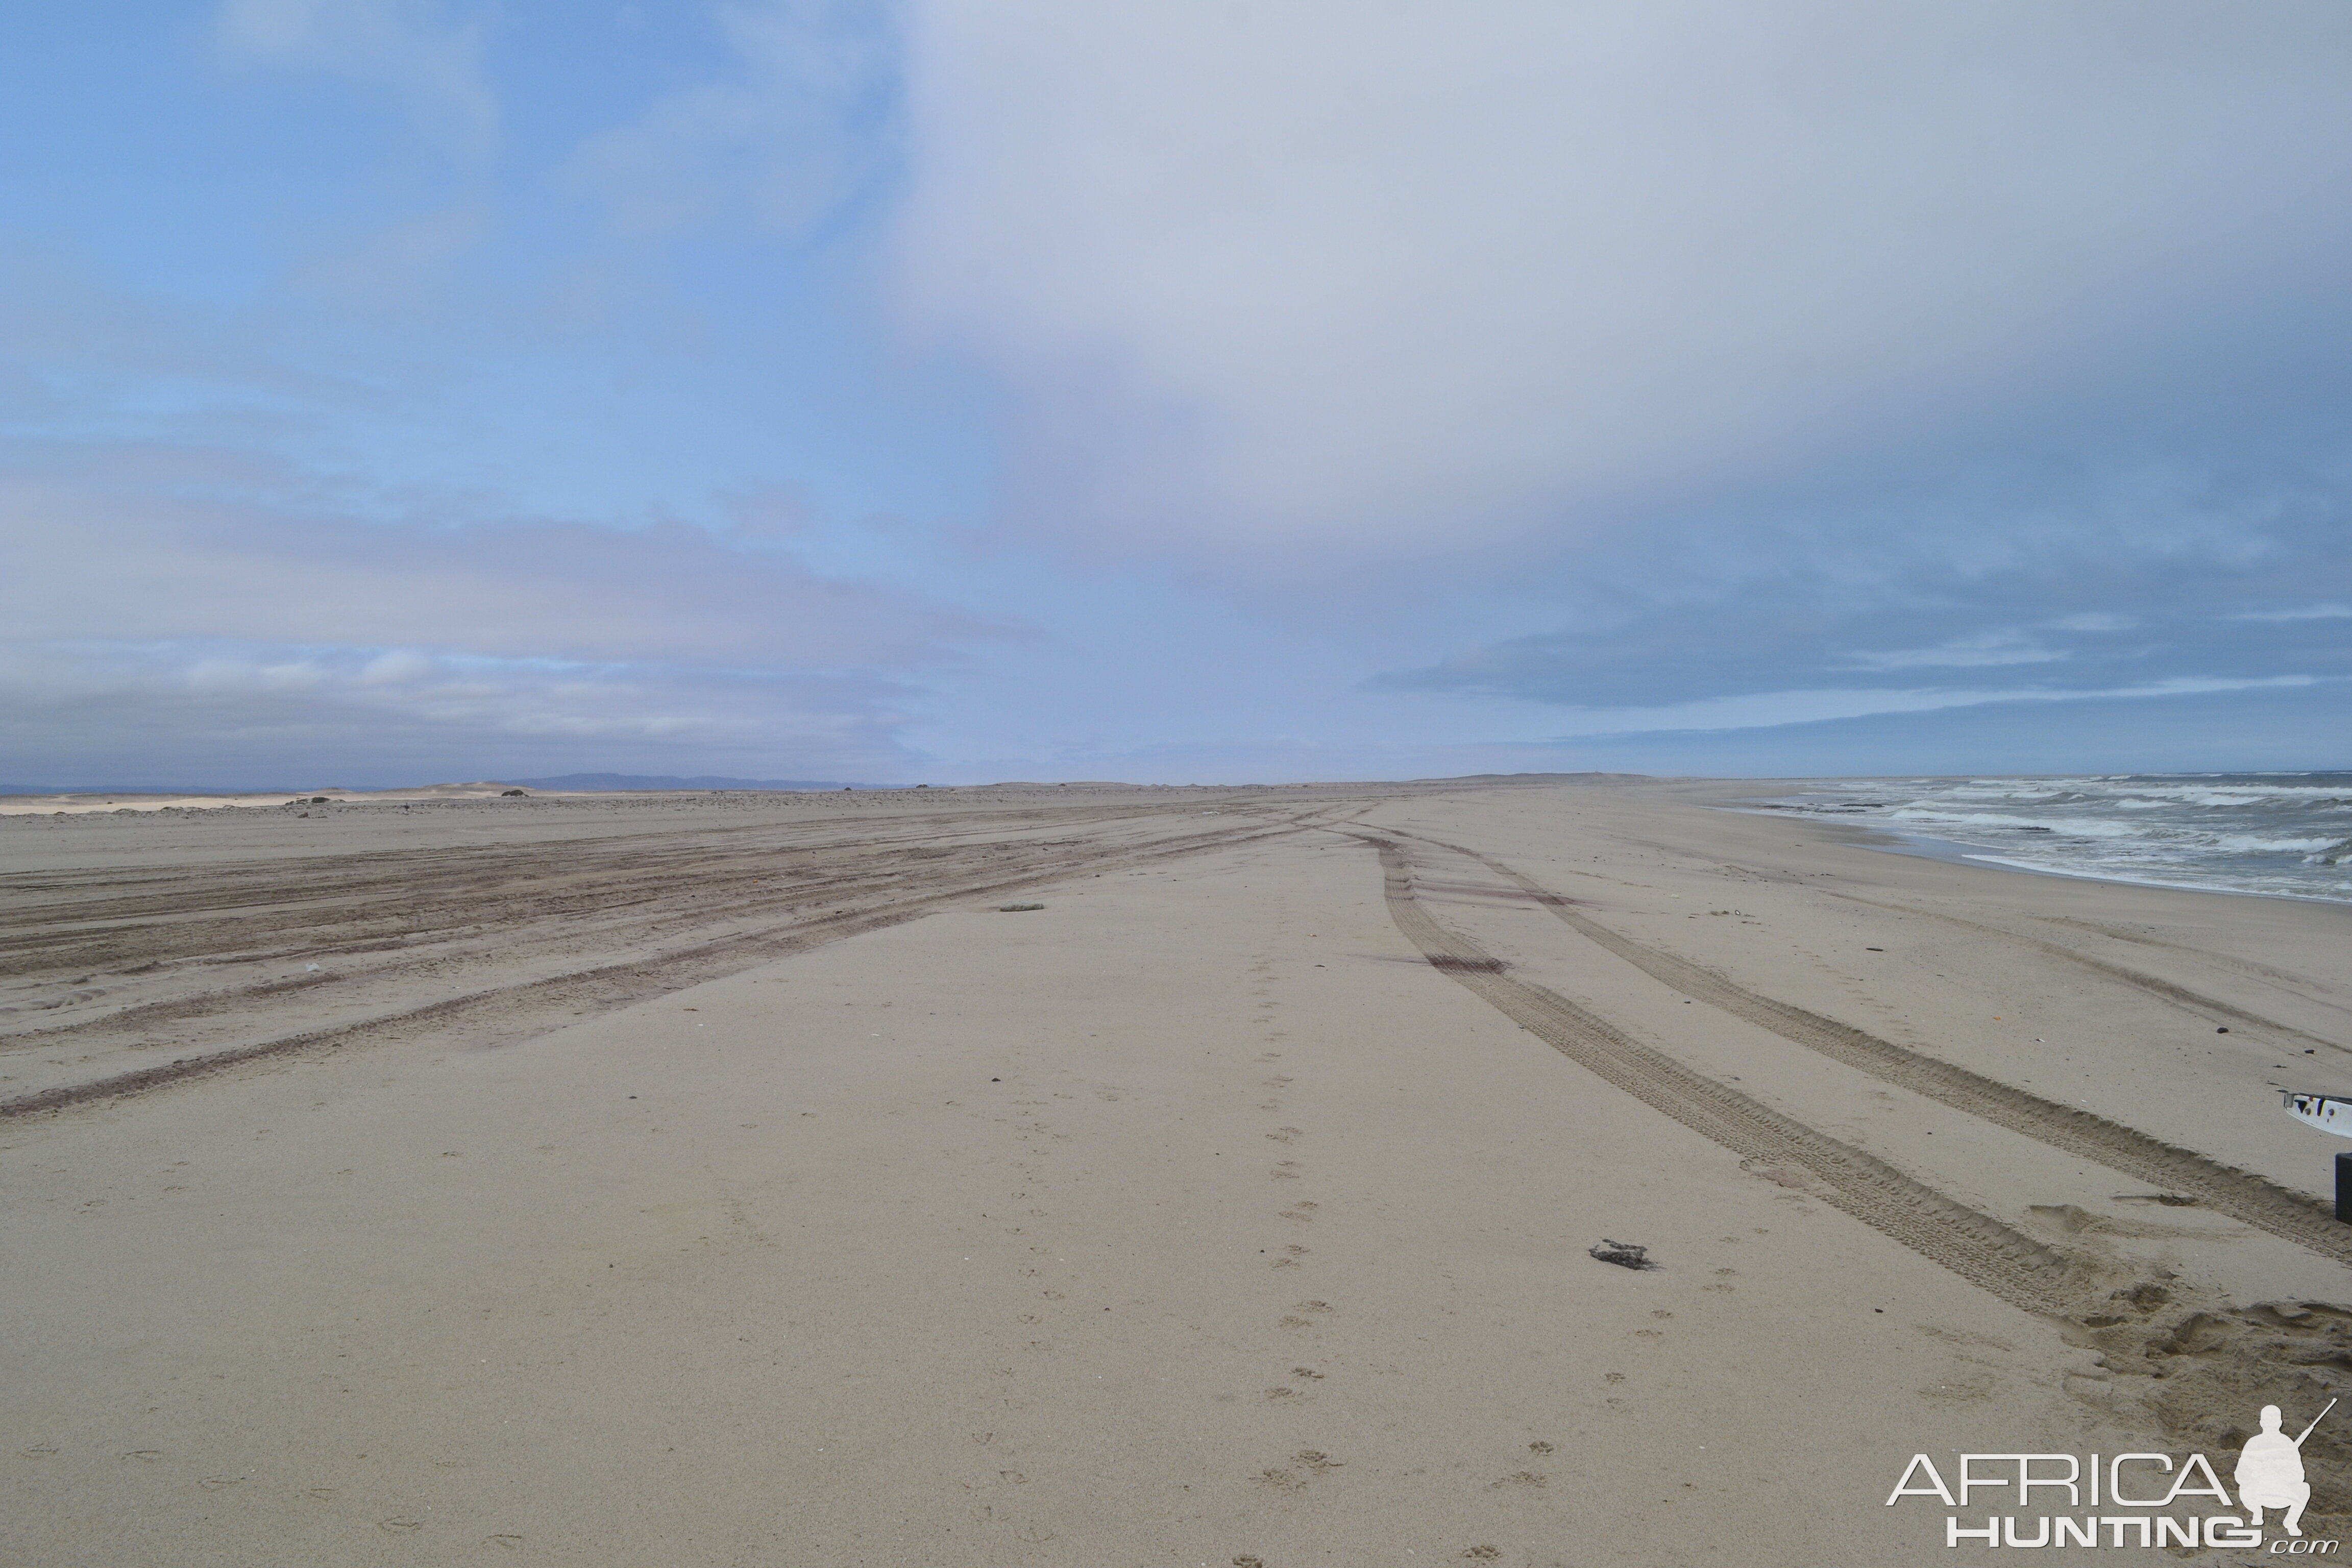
[200, 712]
[397, 668]
[1316, 274]
[393, 263]
[405, 45]
[787, 136]
[296, 568]
[1987, 648]
[1774, 707]
[229, 673]
[1647, 358]
[2301, 612]
[216, 557]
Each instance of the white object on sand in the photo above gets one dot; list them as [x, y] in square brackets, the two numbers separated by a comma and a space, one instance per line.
[2324, 1112]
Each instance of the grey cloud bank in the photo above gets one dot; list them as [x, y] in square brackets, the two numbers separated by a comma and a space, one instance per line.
[1432, 277]
[1816, 348]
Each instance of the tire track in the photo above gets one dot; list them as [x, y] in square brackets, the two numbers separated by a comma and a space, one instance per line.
[197, 953]
[2242, 1195]
[621, 908]
[531, 1007]
[1978, 1247]
[148, 913]
[2196, 1002]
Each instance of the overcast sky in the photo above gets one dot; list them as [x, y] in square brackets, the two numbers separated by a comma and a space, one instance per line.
[404, 390]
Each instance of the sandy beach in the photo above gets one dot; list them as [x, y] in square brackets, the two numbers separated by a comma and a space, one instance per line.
[730, 1179]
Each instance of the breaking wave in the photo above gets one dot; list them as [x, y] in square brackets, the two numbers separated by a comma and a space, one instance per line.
[2287, 835]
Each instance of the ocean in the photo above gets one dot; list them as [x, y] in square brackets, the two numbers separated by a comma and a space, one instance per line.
[2288, 835]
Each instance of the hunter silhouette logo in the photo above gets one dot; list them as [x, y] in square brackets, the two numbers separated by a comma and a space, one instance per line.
[2137, 1488]
[2270, 1471]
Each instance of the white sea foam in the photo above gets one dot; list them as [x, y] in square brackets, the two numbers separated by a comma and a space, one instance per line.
[2243, 833]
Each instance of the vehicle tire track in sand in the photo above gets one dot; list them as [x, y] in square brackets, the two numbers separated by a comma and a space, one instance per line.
[2242, 1195]
[425, 910]
[2197, 1002]
[509, 911]
[560, 999]
[2181, 996]
[1978, 1247]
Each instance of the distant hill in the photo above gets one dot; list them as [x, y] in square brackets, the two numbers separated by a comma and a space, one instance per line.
[657, 781]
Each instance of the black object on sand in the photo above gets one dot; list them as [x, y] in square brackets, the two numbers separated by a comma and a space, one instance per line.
[1016, 909]
[1623, 1253]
